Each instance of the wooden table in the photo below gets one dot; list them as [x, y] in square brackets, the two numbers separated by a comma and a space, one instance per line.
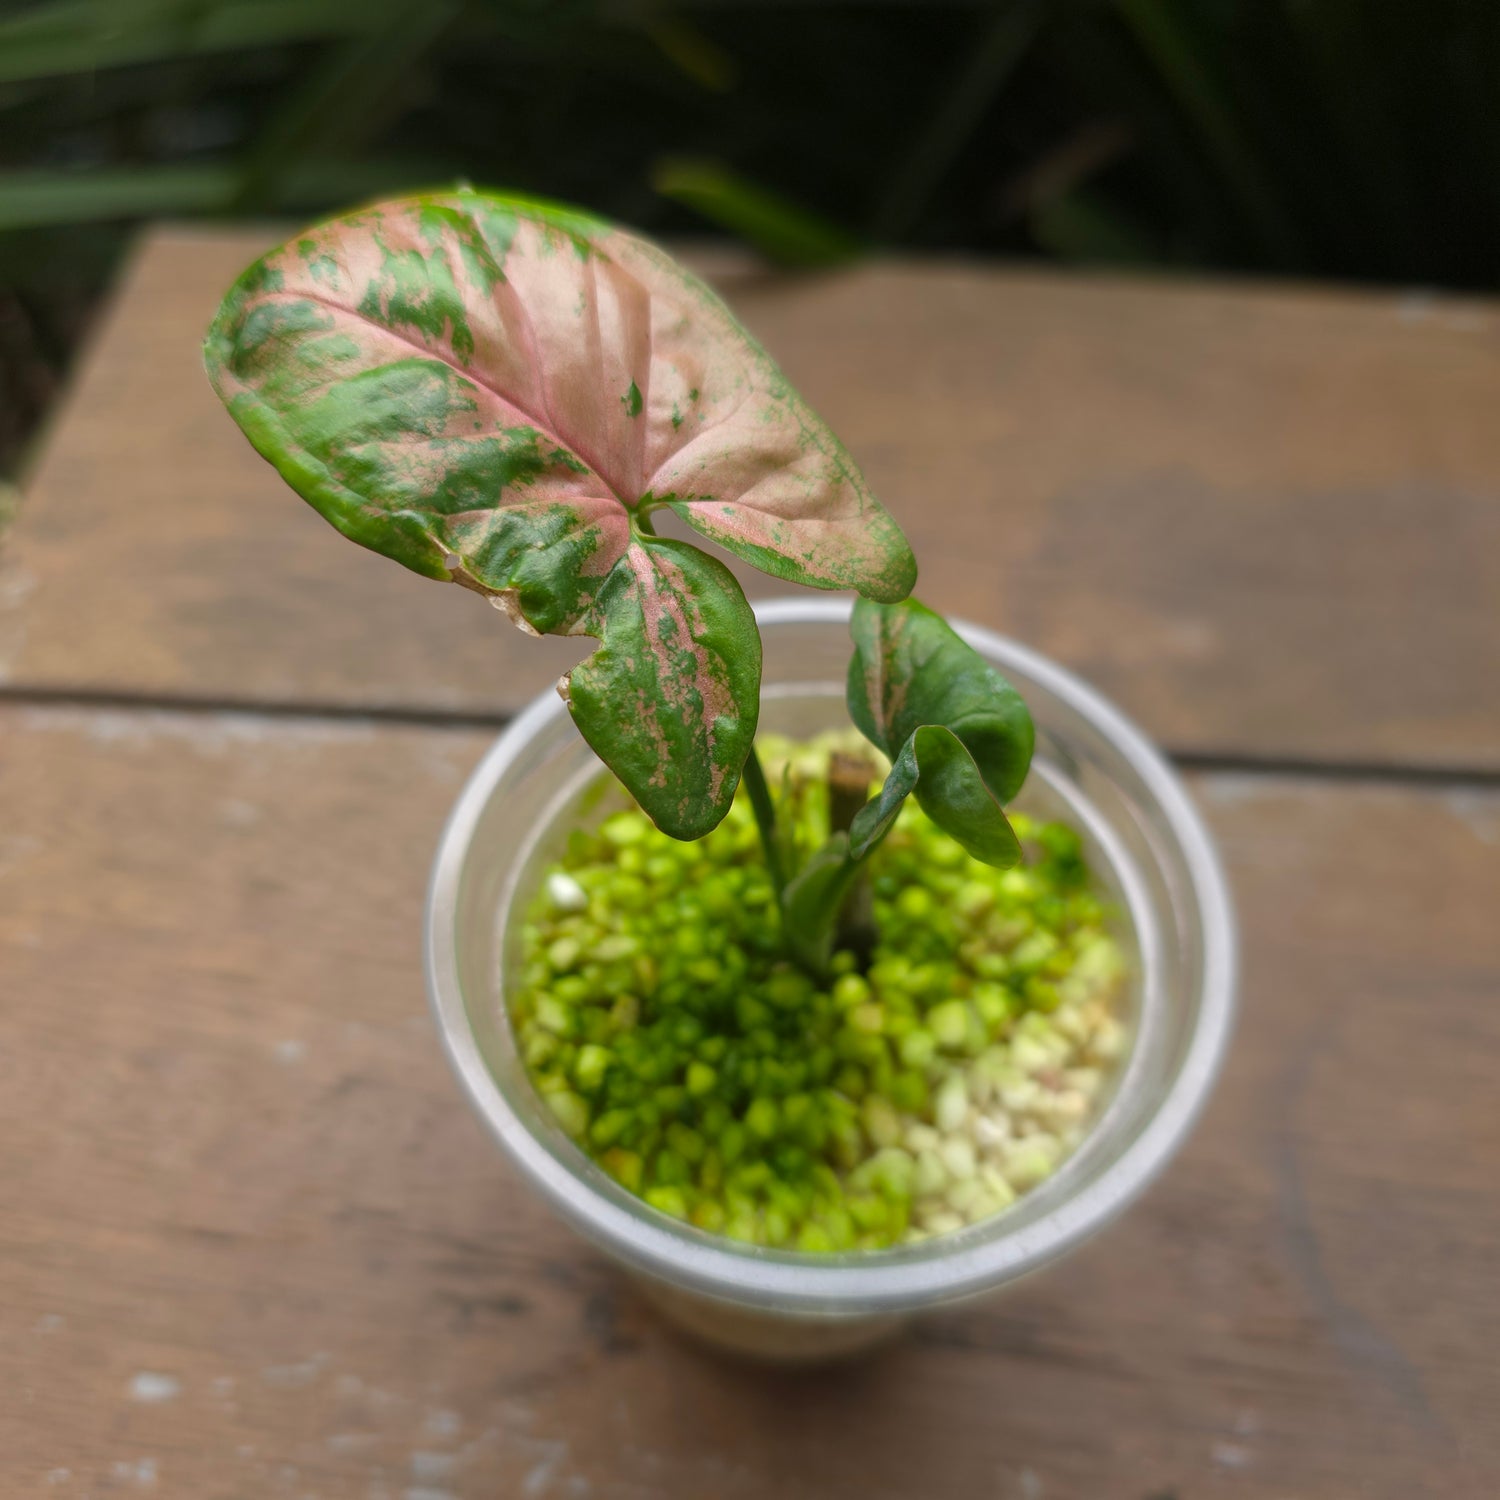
[253, 1243]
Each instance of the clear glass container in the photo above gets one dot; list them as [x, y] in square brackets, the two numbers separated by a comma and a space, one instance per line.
[1145, 843]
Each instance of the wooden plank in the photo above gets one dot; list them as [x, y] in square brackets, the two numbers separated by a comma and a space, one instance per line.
[252, 1243]
[1266, 521]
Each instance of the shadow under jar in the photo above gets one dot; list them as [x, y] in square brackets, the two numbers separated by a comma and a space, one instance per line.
[1149, 854]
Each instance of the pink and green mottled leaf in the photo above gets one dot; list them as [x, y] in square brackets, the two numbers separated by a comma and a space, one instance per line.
[670, 699]
[499, 392]
[959, 735]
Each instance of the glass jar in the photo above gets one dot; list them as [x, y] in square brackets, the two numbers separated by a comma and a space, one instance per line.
[1147, 847]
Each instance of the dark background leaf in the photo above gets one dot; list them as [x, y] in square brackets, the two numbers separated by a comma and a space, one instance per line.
[1343, 138]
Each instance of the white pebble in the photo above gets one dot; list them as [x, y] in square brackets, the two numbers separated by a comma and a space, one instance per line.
[1109, 1039]
[1030, 1162]
[958, 1157]
[931, 1175]
[1071, 1022]
[1068, 1107]
[965, 1197]
[942, 1221]
[1031, 1054]
[565, 893]
[1002, 1192]
[1020, 1097]
[952, 1104]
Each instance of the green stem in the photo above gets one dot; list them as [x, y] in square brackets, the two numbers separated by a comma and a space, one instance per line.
[848, 789]
[765, 818]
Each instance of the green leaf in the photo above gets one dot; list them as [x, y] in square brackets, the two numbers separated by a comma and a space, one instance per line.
[32, 198]
[499, 391]
[82, 36]
[958, 734]
[669, 700]
[783, 232]
[935, 765]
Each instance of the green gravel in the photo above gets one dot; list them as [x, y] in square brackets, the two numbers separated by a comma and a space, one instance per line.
[716, 1080]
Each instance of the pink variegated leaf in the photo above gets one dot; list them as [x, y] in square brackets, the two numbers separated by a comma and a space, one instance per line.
[499, 392]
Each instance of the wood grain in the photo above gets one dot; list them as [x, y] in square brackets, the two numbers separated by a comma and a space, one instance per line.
[1268, 522]
[252, 1244]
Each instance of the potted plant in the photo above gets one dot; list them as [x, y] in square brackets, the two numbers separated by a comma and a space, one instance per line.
[812, 1032]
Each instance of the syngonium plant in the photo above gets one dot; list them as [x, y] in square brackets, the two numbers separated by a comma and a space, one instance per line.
[502, 393]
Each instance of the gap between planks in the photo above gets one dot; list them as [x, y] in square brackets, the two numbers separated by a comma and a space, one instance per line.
[1204, 762]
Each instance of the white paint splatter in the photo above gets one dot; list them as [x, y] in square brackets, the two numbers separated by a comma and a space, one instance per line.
[1231, 1455]
[291, 1051]
[237, 813]
[1031, 1485]
[1478, 812]
[425, 1492]
[350, 1442]
[1423, 305]
[59, 1476]
[142, 1472]
[539, 1475]
[147, 1386]
[429, 1466]
[442, 1423]
[293, 1376]
[50, 1322]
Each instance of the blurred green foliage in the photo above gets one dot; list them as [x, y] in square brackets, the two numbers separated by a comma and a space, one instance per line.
[1349, 138]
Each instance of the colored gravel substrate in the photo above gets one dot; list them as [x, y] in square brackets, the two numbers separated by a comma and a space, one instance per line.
[723, 1085]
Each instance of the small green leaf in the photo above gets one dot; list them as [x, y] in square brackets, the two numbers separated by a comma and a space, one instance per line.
[958, 734]
[935, 765]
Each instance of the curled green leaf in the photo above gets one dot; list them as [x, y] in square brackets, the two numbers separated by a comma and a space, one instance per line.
[934, 764]
[958, 734]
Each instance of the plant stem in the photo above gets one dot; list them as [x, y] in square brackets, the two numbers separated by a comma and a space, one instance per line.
[848, 789]
[765, 818]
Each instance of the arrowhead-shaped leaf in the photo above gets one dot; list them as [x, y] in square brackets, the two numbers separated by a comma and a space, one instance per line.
[958, 734]
[498, 392]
